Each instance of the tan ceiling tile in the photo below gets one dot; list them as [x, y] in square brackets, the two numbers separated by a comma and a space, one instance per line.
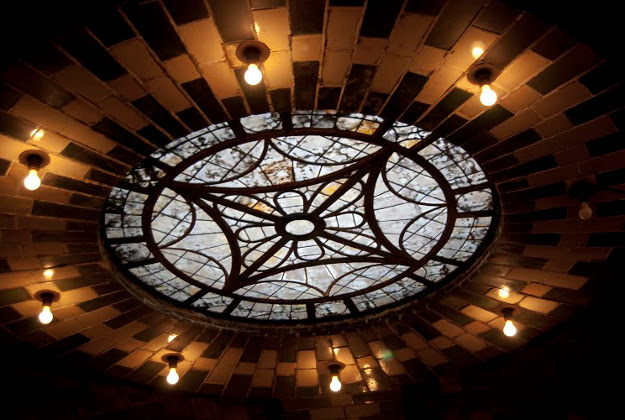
[567, 281]
[524, 67]
[448, 328]
[202, 40]
[510, 297]
[440, 81]
[168, 94]
[123, 113]
[84, 135]
[369, 50]
[306, 47]
[243, 368]
[344, 355]
[404, 354]
[478, 313]
[136, 57]
[82, 82]
[472, 107]
[272, 27]
[135, 359]
[278, 70]
[221, 373]
[415, 341]
[476, 327]
[335, 66]
[389, 72]
[431, 357]
[263, 378]
[408, 33]
[182, 68]
[221, 79]
[379, 349]
[306, 377]
[342, 26]
[127, 87]
[427, 60]
[306, 359]
[471, 342]
[83, 111]
[536, 289]
[286, 369]
[520, 99]
[538, 305]
[40, 114]
[561, 99]
[267, 359]
[461, 56]
[554, 125]
[204, 363]
[350, 374]
[442, 342]
[392, 367]
[514, 125]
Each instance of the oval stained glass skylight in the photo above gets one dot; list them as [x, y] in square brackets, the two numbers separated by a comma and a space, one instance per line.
[319, 217]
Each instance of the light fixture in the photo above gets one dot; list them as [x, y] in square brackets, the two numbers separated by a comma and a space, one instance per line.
[37, 134]
[335, 368]
[48, 274]
[171, 337]
[46, 297]
[504, 292]
[172, 360]
[252, 53]
[483, 75]
[509, 329]
[582, 191]
[34, 160]
[477, 50]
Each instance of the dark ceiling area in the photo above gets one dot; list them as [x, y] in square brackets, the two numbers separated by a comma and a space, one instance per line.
[109, 86]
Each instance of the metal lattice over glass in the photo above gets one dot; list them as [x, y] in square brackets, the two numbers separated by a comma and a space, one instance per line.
[296, 218]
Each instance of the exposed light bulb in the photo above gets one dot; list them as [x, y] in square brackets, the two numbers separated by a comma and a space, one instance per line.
[504, 292]
[48, 273]
[509, 329]
[477, 51]
[37, 134]
[585, 212]
[253, 76]
[488, 96]
[32, 181]
[171, 337]
[45, 316]
[335, 384]
[172, 377]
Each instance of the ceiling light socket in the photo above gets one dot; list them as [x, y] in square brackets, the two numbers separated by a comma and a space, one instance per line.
[335, 367]
[172, 359]
[252, 52]
[34, 159]
[582, 191]
[508, 312]
[47, 297]
[483, 74]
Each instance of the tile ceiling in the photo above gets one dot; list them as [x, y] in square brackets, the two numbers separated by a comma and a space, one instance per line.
[111, 92]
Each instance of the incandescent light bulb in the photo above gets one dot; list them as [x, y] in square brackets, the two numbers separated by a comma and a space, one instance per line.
[45, 316]
[253, 76]
[585, 212]
[509, 329]
[488, 96]
[172, 377]
[335, 383]
[32, 181]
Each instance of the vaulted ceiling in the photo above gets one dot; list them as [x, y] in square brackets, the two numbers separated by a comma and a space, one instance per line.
[119, 84]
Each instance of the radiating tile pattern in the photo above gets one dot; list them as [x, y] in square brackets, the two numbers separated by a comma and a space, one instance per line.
[543, 135]
[298, 227]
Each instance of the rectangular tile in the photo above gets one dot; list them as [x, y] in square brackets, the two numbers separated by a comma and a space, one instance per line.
[409, 87]
[566, 68]
[31, 82]
[47, 58]
[523, 139]
[281, 99]
[446, 106]
[15, 127]
[66, 344]
[357, 85]
[235, 106]
[606, 144]
[528, 168]
[450, 125]
[192, 118]
[452, 22]
[484, 122]
[554, 44]
[305, 74]
[306, 16]
[152, 109]
[119, 134]
[374, 102]
[380, 18]
[185, 11]
[496, 17]
[154, 26]
[414, 112]
[66, 183]
[154, 135]
[110, 28]
[598, 105]
[328, 97]
[44, 208]
[233, 19]
[426, 7]
[601, 77]
[522, 34]
[93, 56]
[201, 94]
